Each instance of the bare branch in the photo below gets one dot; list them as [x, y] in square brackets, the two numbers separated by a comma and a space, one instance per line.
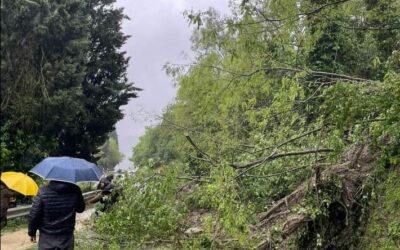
[299, 137]
[297, 16]
[284, 172]
[208, 157]
[341, 76]
[310, 72]
[275, 174]
[366, 27]
[319, 9]
[291, 139]
[200, 159]
[193, 178]
[273, 156]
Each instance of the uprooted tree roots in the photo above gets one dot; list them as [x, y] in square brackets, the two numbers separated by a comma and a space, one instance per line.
[287, 219]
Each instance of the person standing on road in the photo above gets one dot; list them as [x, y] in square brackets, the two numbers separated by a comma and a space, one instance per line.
[106, 186]
[109, 194]
[7, 196]
[53, 214]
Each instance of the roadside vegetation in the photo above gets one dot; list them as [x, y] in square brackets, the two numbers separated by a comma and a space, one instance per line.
[15, 224]
[283, 134]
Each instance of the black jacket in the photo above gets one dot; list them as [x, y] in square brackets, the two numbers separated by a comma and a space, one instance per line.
[54, 209]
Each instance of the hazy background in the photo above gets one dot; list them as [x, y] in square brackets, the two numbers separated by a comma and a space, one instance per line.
[159, 34]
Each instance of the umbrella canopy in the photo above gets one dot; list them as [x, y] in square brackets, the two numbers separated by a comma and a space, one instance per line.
[67, 169]
[20, 183]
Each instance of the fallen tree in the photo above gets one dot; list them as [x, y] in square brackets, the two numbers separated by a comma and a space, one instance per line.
[285, 216]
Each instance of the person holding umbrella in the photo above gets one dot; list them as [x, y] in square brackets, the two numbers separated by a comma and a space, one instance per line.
[54, 209]
[12, 184]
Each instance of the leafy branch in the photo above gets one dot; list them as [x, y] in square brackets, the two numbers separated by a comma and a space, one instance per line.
[282, 172]
[274, 156]
[299, 15]
[297, 70]
[207, 158]
[251, 165]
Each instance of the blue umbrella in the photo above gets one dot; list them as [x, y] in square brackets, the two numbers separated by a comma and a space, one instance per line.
[67, 169]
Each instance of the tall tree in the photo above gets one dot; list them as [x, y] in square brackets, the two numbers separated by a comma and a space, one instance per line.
[105, 86]
[43, 54]
[63, 78]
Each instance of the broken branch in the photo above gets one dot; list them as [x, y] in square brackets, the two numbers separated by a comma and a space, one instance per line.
[276, 156]
[208, 157]
[273, 156]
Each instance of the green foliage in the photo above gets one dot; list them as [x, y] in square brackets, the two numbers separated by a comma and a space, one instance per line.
[383, 228]
[63, 78]
[276, 77]
[109, 153]
[230, 216]
[105, 85]
[15, 224]
[147, 211]
[159, 145]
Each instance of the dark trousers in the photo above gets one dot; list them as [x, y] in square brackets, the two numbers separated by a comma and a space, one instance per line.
[56, 242]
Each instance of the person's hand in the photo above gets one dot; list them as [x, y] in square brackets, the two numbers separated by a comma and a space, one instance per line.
[33, 239]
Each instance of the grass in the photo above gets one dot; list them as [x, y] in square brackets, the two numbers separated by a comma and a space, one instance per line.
[15, 224]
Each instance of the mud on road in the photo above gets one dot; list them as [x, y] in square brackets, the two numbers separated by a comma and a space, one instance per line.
[19, 240]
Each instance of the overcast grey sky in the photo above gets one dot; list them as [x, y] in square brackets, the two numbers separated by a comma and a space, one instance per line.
[159, 34]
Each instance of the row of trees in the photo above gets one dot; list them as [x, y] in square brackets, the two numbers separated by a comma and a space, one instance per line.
[63, 78]
[272, 65]
[278, 89]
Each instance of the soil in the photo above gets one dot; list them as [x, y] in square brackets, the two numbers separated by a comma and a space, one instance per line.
[19, 240]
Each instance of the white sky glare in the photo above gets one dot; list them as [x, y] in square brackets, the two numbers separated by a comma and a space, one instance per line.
[159, 34]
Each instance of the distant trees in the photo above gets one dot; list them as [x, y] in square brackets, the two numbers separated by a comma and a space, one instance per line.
[159, 145]
[63, 78]
[109, 153]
